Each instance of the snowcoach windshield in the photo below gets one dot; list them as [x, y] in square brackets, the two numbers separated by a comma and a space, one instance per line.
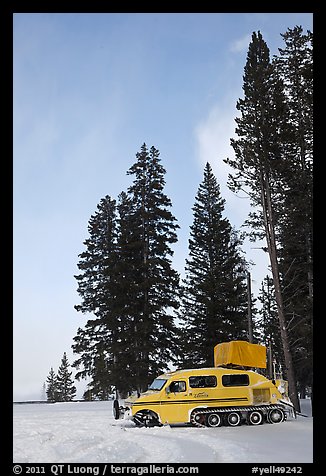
[157, 384]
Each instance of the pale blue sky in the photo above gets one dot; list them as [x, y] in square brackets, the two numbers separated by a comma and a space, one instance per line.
[89, 89]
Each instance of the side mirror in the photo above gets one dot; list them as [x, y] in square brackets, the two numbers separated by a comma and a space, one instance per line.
[167, 390]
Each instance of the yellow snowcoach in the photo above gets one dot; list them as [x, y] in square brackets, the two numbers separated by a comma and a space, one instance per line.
[227, 394]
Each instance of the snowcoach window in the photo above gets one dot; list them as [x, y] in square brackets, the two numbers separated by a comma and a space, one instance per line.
[203, 381]
[157, 384]
[235, 380]
[178, 386]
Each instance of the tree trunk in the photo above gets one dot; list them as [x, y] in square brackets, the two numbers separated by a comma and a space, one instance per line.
[250, 334]
[272, 251]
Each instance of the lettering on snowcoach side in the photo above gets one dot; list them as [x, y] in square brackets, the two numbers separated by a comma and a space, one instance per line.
[200, 394]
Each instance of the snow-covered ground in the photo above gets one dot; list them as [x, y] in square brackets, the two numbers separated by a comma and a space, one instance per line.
[86, 432]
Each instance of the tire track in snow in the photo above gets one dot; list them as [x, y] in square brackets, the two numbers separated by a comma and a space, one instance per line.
[165, 445]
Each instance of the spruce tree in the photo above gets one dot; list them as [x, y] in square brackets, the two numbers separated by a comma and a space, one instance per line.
[66, 390]
[128, 285]
[261, 145]
[99, 343]
[52, 386]
[151, 230]
[129, 268]
[214, 297]
[294, 64]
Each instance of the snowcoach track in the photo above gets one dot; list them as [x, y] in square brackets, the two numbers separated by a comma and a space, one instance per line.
[201, 414]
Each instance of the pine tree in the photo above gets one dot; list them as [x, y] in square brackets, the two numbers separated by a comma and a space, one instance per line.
[52, 386]
[99, 343]
[66, 390]
[129, 285]
[129, 269]
[151, 230]
[294, 65]
[214, 297]
[262, 131]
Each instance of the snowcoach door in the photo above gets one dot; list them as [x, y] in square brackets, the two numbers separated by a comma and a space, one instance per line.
[172, 406]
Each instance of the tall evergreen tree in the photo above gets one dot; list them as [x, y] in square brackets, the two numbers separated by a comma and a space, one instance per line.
[130, 275]
[128, 284]
[66, 390]
[98, 343]
[214, 297]
[150, 232]
[51, 386]
[294, 65]
[262, 133]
